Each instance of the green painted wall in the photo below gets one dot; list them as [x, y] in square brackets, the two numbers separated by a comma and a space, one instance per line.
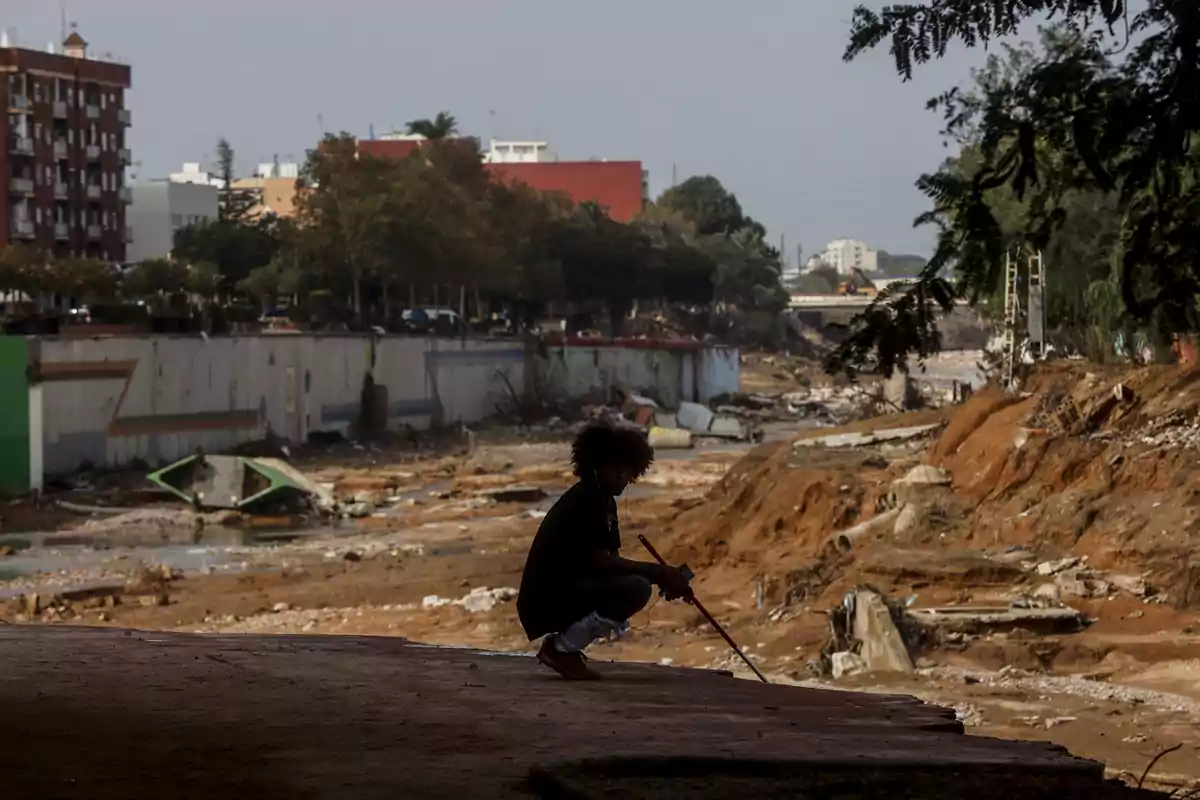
[14, 414]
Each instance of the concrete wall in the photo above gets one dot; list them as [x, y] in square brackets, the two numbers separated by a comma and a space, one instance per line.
[667, 373]
[111, 400]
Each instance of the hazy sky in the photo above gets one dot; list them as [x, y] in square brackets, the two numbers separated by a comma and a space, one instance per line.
[755, 93]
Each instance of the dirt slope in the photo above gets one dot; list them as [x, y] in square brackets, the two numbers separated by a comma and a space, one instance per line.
[1118, 481]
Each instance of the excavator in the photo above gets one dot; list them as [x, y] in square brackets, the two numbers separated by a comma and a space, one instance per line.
[857, 284]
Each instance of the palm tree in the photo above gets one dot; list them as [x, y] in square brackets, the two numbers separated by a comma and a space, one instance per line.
[442, 126]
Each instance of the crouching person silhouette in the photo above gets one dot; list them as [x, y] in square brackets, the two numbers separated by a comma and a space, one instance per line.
[576, 588]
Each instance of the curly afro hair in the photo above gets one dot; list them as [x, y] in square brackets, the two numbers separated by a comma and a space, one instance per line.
[602, 445]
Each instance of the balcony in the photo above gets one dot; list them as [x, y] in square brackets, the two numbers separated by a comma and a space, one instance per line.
[61, 191]
[125, 117]
[20, 145]
[92, 111]
[62, 231]
[21, 185]
[93, 191]
[60, 109]
[93, 232]
[60, 150]
[92, 151]
[18, 104]
[21, 228]
[126, 195]
[126, 156]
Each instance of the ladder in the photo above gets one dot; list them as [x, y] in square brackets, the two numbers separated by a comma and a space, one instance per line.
[1034, 328]
[1011, 313]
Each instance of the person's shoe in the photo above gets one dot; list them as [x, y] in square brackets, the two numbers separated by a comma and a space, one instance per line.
[571, 666]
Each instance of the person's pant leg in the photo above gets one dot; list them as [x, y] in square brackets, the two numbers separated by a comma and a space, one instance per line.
[620, 597]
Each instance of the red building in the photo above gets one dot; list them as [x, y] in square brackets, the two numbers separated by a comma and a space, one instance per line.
[617, 186]
[63, 151]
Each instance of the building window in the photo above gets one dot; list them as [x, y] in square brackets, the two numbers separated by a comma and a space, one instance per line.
[177, 220]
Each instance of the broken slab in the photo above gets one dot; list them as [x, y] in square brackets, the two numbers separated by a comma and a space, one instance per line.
[862, 439]
[989, 619]
[882, 648]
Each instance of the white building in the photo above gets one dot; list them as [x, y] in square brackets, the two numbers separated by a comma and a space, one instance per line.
[517, 152]
[194, 173]
[847, 254]
[160, 208]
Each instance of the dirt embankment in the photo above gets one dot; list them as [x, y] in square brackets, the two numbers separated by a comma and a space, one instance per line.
[1089, 463]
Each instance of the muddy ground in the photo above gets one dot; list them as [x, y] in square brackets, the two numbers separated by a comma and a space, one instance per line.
[438, 561]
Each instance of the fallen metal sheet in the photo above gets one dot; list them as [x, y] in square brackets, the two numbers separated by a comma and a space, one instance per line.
[233, 482]
[862, 439]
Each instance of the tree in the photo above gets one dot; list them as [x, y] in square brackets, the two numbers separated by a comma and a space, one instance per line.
[604, 260]
[443, 126]
[22, 271]
[1071, 121]
[235, 248]
[84, 279]
[233, 205]
[342, 213]
[156, 280]
[706, 204]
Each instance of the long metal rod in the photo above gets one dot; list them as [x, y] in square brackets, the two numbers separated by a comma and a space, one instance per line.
[691, 598]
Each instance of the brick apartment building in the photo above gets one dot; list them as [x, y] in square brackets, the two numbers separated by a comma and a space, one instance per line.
[63, 151]
[618, 186]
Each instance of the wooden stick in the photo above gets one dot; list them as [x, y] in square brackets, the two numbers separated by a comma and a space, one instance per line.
[691, 598]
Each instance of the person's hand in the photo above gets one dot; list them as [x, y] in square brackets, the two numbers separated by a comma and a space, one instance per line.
[673, 583]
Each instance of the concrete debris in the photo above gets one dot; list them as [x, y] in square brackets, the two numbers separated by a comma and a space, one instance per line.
[987, 619]
[883, 649]
[1081, 583]
[926, 475]
[864, 625]
[478, 600]
[694, 417]
[670, 438]
[845, 540]
[863, 439]
[908, 520]
[1055, 567]
[359, 510]
[846, 663]
[1131, 584]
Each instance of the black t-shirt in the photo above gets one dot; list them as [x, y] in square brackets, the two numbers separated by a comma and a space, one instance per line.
[583, 521]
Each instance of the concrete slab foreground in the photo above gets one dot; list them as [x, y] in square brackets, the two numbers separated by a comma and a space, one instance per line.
[102, 713]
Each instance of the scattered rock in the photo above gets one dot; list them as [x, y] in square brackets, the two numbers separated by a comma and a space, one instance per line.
[351, 556]
[280, 607]
[1130, 584]
[5, 550]
[359, 510]
[1055, 567]
[1055, 721]
[908, 520]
